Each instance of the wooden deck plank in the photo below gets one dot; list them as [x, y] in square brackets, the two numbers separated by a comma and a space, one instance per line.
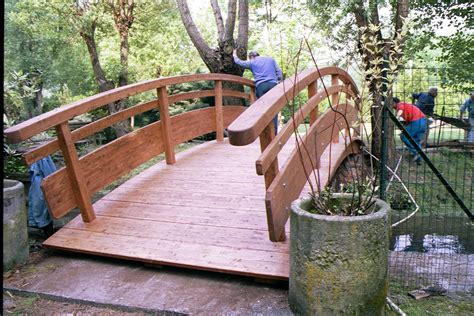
[181, 233]
[207, 211]
[185, 215]
[214, 258]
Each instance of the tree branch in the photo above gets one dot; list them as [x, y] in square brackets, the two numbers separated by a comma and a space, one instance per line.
[230, 22]
[243, 34]
[193, 32]
[219, 20]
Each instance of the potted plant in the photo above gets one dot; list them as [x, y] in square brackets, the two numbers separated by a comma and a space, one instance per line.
[339, 244]
[339, 254]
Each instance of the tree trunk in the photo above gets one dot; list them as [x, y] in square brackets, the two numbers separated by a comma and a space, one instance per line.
[120, 128]
[38, 100]
[220, 60]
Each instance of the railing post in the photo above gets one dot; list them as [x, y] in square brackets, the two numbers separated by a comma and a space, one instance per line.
[74, 171]
[312, 90]
[253, 96]
[266, 138]
[219, 111]
[335, 101]
[348, 104]
[166, 124]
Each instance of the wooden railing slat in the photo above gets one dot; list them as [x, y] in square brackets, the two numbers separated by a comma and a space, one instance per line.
[312, 90]
[265, 159]
[91, 128]
[291, 179]
[75, 173]
[166, 125]
[50, 147]
[251, 123]
[335, 99]
[219, 111]
[45, 121]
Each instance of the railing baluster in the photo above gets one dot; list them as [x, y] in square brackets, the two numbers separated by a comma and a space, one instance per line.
[253, 97]
[335, 98]
[312, 90]
[75, 173]
[166, 124]
[219, 111]
[266, 138]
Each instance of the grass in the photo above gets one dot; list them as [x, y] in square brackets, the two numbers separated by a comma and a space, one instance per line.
[435, 305]
[428, 190]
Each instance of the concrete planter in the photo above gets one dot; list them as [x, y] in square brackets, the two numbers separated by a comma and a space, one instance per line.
[338, 264]
[15, 225]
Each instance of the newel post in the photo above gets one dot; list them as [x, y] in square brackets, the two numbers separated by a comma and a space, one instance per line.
[312, 90]
[219, 111]
[75, 173]
[335, 101]
[166, 124]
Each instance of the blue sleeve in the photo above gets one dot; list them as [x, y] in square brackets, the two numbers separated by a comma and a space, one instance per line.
[242, 63]
[415, 95]
[278, 71]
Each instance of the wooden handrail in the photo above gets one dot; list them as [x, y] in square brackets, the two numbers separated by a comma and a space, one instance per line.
[52, 146]
[45, 121]
[271, 152]
[250, 125]
[283, 186]
[73, 185]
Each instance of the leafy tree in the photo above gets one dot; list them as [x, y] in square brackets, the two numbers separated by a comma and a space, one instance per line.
[37, 46]
[452, 51]
[219, 59]
[378, 39]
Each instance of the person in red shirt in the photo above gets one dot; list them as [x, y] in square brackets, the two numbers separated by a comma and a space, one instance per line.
[415, 124]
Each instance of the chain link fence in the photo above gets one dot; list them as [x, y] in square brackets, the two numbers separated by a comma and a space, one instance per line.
[432, 237]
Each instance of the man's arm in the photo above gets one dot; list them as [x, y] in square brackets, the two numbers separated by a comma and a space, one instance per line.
[399, 114]
[241, 63]
[278, 71]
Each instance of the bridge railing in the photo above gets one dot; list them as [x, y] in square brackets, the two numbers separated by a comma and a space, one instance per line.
[283, 185]
[74, 185]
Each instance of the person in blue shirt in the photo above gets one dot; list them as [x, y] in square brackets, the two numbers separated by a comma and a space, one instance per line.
[266, 74]
[468, 106]
[425, 101]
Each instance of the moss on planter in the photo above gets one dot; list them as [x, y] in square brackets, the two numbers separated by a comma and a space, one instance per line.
[338, 264]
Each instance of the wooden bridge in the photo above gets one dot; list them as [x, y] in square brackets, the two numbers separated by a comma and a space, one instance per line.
[208, 207]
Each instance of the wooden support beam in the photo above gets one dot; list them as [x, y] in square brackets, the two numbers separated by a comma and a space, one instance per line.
[335, 100]
[266, 138]
[253, 96]
[270, 174]
[219, 111]
[312, 90]
[166, 124]
[75, 173]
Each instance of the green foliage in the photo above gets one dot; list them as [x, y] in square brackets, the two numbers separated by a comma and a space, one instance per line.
[12, 160]
[398, 198]
[45, 36]
[361, 203]
[450, 49]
